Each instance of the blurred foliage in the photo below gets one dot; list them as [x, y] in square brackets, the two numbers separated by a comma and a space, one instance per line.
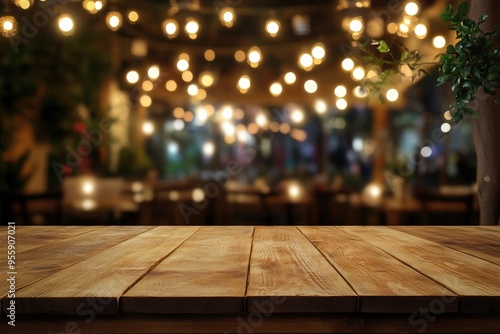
[132, 164]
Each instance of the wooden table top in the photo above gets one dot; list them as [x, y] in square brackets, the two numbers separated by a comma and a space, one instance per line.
[325, 272]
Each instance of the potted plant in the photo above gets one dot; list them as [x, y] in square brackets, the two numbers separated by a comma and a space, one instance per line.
[472, 66]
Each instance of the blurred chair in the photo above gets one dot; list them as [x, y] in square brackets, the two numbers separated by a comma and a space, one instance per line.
[32, 208]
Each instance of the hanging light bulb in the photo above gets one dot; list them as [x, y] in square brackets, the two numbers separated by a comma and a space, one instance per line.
[254, 56]
[66, 24]
[191, 27]
[154, 72]
[290, 78]
[8, 26]
[306, 61]
[275, 89]
[227, 16]
[92, 6]
[132, 77]
[356, 25]
[170, 28]
[114, 20]
[318, 52]
[244, 82]
[24, 4]
[273, 27]
[133, 16]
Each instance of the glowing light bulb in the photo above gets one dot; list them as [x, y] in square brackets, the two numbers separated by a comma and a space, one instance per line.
[133, 16]
[171, 85]
[420, 30]
[426, 151]
[209, 55]
[8, 26]
[88, 187]
[227, 16]
[439, 42]
[445, 127]
[305, 60]
[356, 25]
[114, 20]
[145, 101]
[341, 104]
[207, 79]
[411, 8]
[290, 78]
[132, 77]
[182, 65]
[191, 26]
[273, 27]
[318, 51]
[297, 116]
[154, 72]
[208, 149]
[392, 95]
[148, 127]
[358, 73]
[170, 28]
[275, 89]
[192, 89]
[254, 56]
[66, 24]
[320, 106]
[347, 64]
[310, 86]
[244, 82]
[340, 91]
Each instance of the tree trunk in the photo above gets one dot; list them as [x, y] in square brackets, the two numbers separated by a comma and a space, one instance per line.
[486, 132]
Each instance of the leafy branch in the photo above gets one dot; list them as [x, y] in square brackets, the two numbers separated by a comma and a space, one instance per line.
[471, 64]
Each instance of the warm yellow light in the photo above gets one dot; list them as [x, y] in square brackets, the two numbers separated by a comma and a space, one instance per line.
[209, 55]
[99, 5]
[192, 89]
[227, 16]
[306, 60]
[411, 8]
[24, 4]
[227, 112]
[284, 128]
[178, 112]
[154, 72]
[341, 104]
[261, 120]
[182, 65]
[275, 89]
[356, 24]
[272, 27]
[372, 74]
[133, 16]
[358, 73]
[310, 86]
[114, 20]
[145, 101]
[88, 187]
[207, 78]
[198, 195]
[191, 26]
[187, 76]
[253, 128]
[299, 135]
[340, 91]
[420, 30]
[202, 94]
[132, 77]
[228, 128]
[92, 6]
[392, 95]
[178, 124]
[208, 149]
[66, 24]
[294, 191]
[290, 78]
[392, 28]
[297, 115]
[439, 42]
[318, 51]
[188, 116]
[147, 86]
[254, 56]
[404, 28]
[171, 85]
[8, 26]
[240, 56]
[447, 115]
[148, 127]
[347, 64]
[244, 82]
[320, 106]
[170, 27]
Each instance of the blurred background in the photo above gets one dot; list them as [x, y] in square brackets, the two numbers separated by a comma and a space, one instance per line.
[226, 112]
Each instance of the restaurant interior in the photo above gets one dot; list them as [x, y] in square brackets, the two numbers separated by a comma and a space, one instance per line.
[228, 112]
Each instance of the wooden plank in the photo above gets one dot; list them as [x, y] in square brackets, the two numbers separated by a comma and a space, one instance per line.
[383, 283]
[207, 274]
[475, 281]
[288, 274]
[94, 284]
[63, 250]
[472, 240]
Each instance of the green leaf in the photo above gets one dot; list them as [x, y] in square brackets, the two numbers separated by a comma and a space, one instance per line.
[482, 18]
[404, 55]
[383, 47]
[497, 101]
[463, 9]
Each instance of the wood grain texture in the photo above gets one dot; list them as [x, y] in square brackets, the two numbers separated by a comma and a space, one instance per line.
[207, 274]
[476, 281]
[46, 253]
[473, 240]
[288, 274]
[377, 278]
[94, 284]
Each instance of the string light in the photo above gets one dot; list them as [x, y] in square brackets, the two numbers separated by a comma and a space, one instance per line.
[132, 77]
[66, 24]
[356, 25]
[8, 26]
[261, 120]
[445, 127]
[206, 78]
[244, 82]
[347, 64]
[411, 8]
[192, 27]
[92, 6]
[310, 86]
[273, 27]
[154, 72]
[439, 42]
[24, 4]
[290, 78]
[148, 127]
[182, 65]
[426, 151]
[192, 89]
[227, 16]
[147, 86]
[318, 52]
[145, 101]
[340, 91]
[171, 85]
[254, 56]
[275, 89]
[240, 56]
[360, 91]
[420, 30]
[341, 104]
[297, 115]
[114, 20]
[170, 28]
[306, 61]
[209, 55]
[187, 76]
[358, 73]
[320, 106]
[133, 16]
[392, 95]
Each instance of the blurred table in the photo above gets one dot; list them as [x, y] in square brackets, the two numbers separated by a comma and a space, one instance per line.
[185, 279]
